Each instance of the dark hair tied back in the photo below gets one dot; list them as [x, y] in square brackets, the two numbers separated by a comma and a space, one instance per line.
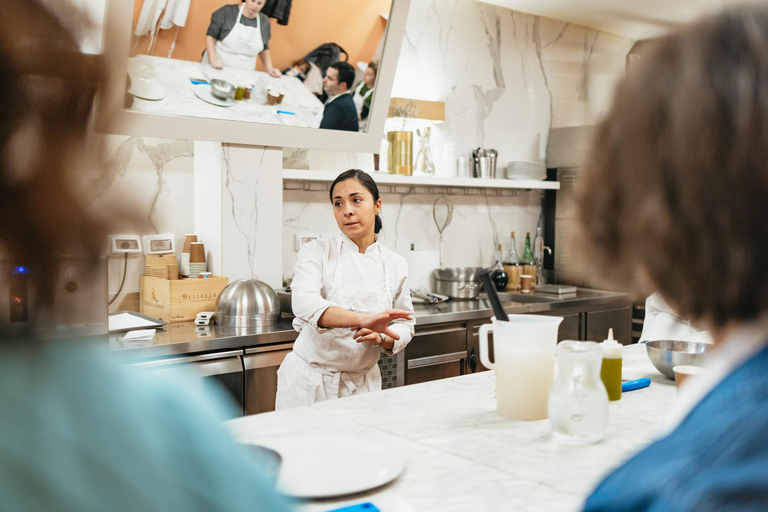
[365, 179]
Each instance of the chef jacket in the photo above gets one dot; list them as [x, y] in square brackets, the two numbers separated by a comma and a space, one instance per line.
[315, 271]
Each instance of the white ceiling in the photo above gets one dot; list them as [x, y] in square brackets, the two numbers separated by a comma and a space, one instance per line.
[635, 19]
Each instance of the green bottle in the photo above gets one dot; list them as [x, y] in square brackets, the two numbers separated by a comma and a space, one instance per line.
[527, 258]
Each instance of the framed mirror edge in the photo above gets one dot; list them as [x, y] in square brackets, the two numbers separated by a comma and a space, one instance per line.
[112, 118]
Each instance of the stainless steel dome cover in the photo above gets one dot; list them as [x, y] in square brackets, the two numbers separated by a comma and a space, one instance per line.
[247, 303]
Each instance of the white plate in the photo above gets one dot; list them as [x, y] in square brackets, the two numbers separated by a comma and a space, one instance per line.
[203, 91]
[324, 466]
[146, 88]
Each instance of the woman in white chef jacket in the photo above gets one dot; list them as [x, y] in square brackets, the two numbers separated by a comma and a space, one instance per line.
[364, 94]
[351, 299]
[236, 35]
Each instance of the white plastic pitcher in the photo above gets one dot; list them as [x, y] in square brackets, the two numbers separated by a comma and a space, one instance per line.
[524, 350]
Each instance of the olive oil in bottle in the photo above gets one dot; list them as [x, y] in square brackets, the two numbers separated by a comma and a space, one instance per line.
[610, 372]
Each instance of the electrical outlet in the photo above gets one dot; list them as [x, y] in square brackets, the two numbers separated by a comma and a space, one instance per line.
[302, 238]
[159, 244]
[125, 244]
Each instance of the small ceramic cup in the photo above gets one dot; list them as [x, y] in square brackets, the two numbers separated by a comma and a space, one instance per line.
[683, 372]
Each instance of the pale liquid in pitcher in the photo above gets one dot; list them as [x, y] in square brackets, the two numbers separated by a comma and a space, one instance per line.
[523, 382]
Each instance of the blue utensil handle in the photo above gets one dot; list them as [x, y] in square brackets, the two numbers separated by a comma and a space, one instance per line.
[635, 384]
[286, 112]
[360, 507]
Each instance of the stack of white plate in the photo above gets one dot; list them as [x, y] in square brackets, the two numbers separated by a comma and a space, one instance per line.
[526, 171]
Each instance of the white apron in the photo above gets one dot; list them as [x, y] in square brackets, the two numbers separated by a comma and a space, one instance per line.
[359, 99]
[331, 364]
[241, 46]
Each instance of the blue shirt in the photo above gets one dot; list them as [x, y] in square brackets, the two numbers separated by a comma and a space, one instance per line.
[716, 459]
[80, 432]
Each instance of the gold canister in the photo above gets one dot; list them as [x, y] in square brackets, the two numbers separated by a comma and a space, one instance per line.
[400, 152]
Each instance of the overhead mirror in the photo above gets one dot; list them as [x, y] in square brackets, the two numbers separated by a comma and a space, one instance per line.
[308, 73]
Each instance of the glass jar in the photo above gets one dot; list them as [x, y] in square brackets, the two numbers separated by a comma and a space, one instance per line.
[578, 402]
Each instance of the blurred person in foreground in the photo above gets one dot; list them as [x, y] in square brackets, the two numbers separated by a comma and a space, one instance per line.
[675, 199]
[78, 431]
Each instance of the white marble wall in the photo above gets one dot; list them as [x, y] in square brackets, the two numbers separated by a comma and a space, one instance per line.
[147, 186]
[479, 222]
[506, 78]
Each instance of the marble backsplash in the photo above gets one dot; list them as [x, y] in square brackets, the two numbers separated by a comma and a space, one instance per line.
[478, 224]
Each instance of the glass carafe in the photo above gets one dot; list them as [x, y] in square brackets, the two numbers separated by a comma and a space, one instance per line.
[578, 402]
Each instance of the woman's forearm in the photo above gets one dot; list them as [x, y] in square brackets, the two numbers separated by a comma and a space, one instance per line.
[335, 317]
[210, 47]
[266, 59]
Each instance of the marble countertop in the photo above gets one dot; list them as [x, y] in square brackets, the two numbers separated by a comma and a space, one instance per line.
[180, 99]
[461, 455]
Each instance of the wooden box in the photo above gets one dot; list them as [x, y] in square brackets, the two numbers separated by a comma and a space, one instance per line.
[179, 300]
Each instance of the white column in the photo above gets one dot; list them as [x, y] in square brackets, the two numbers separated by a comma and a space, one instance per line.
[252, 206]
[208, 202]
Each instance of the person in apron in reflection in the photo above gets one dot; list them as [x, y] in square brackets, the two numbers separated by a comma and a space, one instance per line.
[351, 298]
[236, 35]
[364, 94]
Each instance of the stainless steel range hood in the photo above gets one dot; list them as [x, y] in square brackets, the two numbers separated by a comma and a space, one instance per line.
[567, 152]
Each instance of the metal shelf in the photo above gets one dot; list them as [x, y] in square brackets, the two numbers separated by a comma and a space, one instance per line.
[425, 181]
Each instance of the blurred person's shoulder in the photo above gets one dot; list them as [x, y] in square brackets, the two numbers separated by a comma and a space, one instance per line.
[72, 416]
[716, 459]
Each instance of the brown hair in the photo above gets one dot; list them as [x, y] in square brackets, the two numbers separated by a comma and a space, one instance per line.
[677, 184]
[374, 65]
[46, 94]
[302, 65]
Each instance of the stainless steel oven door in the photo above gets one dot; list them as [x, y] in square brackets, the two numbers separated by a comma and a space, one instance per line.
[261, 364]
[436, 352]
[226, 368]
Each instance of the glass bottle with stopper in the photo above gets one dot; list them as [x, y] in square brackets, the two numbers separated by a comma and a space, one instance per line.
[527, 258]
[512, 258]
[498, 275]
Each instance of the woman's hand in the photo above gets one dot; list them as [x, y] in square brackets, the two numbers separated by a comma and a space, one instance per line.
[217, 64]
[368, 336]
[379, 322]
[275, 72]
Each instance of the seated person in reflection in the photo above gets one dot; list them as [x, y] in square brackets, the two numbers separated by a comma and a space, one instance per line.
[236, 35]
[80, 430]
[674, 199]
[364, 94]
[299, 69]
[339, 112]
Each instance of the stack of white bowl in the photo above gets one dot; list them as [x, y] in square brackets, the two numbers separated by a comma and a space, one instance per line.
[526, 171]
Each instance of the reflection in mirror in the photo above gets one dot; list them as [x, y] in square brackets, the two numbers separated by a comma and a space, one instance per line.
[300, 63]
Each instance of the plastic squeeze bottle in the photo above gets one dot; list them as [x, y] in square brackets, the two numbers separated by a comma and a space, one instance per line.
[610, 372]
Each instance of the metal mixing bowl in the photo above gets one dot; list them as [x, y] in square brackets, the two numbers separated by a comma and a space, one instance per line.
[222, 90]
[666, 354]
[247, 303]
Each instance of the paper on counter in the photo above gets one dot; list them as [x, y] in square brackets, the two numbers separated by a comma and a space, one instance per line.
[143, 335]
[122, 321]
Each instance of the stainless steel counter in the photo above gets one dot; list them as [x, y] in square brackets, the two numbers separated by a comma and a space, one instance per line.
[186, 338]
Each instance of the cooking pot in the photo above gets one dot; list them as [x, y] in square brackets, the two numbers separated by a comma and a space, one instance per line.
[247, 303]
[457, 283]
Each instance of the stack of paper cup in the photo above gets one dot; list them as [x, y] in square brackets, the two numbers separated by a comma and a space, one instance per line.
[197, 260]
[188, 239]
